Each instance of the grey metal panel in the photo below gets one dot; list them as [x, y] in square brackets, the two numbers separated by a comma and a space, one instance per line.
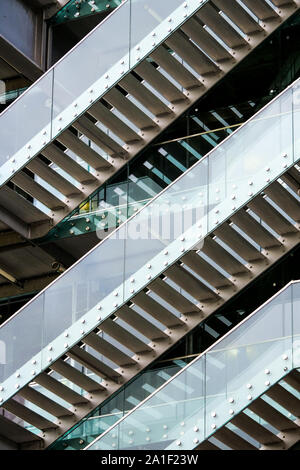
[254, 429]
[194, 30]
[145, 327]
[254, 230]
[135, 88]
[52, 177]
[108, 350]
[272, 416]
[156, 310]
[132, 112]
[239, 16]
[224, 259]
[81, 149]
[261, 9]
[61, 390]
[174, 68]
[96, 135]
[124, 337]
[190, 283]
[179, 43]
[37, 191]
[158, 81]
[40, 400]
[69, 165]
[238, 243]
[75, 376]
[205, 270]
[209, 16]
[28, 415]
[92, 363]
[110, 120]
[172, 296]
[271, 216]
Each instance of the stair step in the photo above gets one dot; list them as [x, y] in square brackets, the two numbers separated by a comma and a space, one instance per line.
[261, 9]
[172, 296]
[254, 429]
[92, 363]
[254, 229]
[75, 376]
[159, 82]
[69, 165]
[30, 186]
[190, 283]
[272, 416]
[210, 16]
[44, 402]
[239, 16]
[271, 216]
[180, 43]
[109, 119]
[205, 41]
[119, 333]
[81, 149]
[156, 310]
[233, 440]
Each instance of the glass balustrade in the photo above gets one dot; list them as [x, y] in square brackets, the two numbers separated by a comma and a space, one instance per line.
[177, 219]
[220, 383]
[83, 75]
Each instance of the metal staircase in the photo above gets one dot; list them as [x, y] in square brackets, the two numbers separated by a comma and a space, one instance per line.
[142, 289]
[120, 97]
[242, 393]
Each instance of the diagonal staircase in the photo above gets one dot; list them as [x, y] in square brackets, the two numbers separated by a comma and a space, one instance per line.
[132, 297]
[120, 97]
[242, 393]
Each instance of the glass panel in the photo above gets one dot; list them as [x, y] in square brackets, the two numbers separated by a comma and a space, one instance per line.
[253, 155]
[175, 211]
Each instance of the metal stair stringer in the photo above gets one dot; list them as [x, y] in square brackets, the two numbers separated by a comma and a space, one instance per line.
[166, 83]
